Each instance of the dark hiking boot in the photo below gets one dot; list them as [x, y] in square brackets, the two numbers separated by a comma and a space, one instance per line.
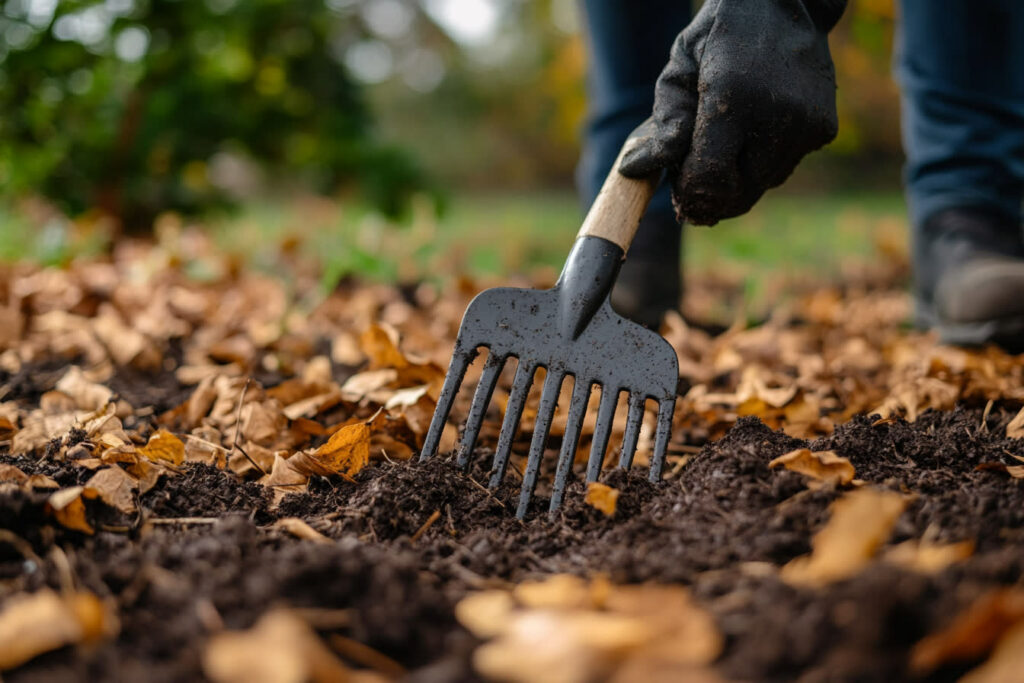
[650, 282]
[970, 278]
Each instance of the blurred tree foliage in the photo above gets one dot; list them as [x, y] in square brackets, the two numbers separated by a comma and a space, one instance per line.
[137, 106]
[509, 111]
[867, 99]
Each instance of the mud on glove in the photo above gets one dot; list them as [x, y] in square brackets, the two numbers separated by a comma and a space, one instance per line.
[749, 89]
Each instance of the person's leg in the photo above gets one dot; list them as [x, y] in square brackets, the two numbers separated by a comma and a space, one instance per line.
[961, 67]
[628, 44]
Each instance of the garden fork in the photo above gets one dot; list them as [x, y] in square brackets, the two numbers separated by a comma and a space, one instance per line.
[569, 329]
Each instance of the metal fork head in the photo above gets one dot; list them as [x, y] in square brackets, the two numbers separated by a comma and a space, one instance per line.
[566, 332]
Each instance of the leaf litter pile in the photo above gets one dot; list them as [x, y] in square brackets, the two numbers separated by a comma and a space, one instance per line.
[216, 478]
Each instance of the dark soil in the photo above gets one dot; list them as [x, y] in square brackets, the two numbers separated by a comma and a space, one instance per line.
[719, 526]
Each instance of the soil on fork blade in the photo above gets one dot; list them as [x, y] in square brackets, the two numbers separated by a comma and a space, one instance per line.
[380, 574]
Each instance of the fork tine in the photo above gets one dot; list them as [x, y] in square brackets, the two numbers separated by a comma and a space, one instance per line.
[513, 411]
[481, 399]
[632, 433]
[571, 438]
[602, 430]
[666, 408]
[452, 381]
[545, 411]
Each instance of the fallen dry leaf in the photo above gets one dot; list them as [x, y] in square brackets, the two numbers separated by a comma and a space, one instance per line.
[972, 633]
[300, 529]
[1006, 662]
[486, 613]
[824, 466]
[861, 521]
[7, 429]
[563, 591]
[345, 453]
[284, 478]
[86, 394]
[361, 385]
[565, 629]
[925, 557]
[40, 481]
[10, 473]
[1015, 428]
[345, 350]
[553, 647]
[31, 624]
[280, 648]
[200, 450]
[1015, 471]
[115, 487]
[602, 497]
[67, 508]
[164, 447]
[380, 344]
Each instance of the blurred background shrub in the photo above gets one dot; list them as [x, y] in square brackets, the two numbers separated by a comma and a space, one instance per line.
[343, 124]
[136, 106]
[131, 107]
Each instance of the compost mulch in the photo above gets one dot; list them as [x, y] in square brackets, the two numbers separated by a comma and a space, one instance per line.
[218, 480]
[710, 527]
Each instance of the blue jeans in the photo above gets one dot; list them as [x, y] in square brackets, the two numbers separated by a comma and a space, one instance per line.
[628, 44]
[960, 64]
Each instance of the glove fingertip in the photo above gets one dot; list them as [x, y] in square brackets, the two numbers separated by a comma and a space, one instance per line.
[639, 162]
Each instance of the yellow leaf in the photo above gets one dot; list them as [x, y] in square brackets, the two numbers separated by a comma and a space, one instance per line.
[861, 521]
[563, 591]
[1006, 662]
[7, 429]
[67, 507]
[602, 497]
[567, 629]
[824, 466]
[1015, 429]
[485, 614]
[345, 453]
[924, 557]
[380, 345]
[44, 621]
[115, 487]
[972, 633]
[164, 446]
[545, 646]
[689, 634]
[280, 648]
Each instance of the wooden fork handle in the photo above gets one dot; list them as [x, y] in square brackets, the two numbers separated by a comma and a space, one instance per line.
[615, 214]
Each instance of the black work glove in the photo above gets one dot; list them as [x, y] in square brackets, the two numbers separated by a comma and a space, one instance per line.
[749, 89]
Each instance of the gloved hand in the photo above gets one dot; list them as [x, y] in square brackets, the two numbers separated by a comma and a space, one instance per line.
[749, 89]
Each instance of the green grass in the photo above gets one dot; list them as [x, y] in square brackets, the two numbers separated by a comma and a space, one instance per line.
[504, 234]
[50, 241]
[816, 232]
[517, 233]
